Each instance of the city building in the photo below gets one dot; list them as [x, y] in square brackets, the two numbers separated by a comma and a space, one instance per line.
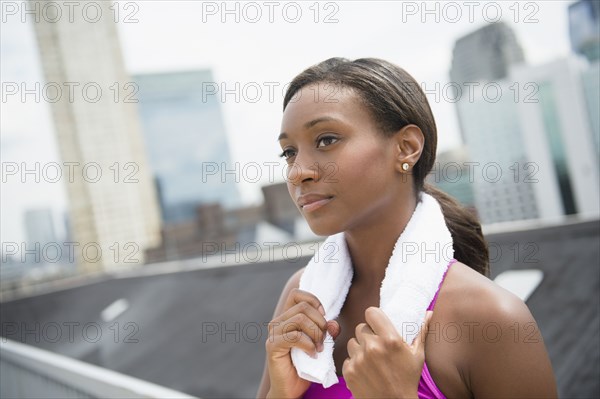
[40, 249]
[493, 135]
[591, 85]
[39, 228]
[113, 205]
[533, 144]
[281, 210]
[452, 174]
[484, 55]
[186, 143]
[558, 136]
[584, 28]
[214, 229]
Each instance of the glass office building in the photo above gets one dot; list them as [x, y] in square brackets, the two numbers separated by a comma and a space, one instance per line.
[584, 28]
[542, 143]
[186, 143]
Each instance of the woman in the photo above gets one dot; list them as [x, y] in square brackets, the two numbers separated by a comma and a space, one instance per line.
[360, 138]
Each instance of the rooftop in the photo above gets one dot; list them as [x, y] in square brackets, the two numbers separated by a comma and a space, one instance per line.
[203, 331]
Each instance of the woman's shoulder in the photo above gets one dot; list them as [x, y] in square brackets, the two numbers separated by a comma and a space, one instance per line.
[486, 330]
[475, 296]
[498, 340]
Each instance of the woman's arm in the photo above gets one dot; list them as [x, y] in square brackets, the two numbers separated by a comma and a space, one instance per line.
[293, 282]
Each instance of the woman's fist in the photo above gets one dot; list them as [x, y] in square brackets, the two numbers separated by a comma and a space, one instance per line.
[380, 363]
[302, 324]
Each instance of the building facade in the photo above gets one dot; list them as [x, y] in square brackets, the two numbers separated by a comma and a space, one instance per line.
[559, 137]
[534, 144]
[484, 55]
[113, 206]
[186, 143]
[584, 28]
[452, 174]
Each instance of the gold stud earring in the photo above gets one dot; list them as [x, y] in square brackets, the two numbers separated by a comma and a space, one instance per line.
[405, 166]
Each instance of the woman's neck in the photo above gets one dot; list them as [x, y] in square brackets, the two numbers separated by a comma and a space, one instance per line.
[370, 246]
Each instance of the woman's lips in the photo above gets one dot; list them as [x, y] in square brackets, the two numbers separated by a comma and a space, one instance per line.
[313, 206]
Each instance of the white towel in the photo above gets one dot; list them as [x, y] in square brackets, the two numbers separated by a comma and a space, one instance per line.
[415, 270]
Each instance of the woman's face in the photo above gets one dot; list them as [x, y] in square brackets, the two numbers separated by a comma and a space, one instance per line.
[341, 169]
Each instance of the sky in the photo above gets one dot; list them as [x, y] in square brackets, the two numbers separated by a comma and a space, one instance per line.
[259, 46]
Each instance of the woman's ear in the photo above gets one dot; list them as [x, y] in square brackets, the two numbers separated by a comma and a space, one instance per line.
[409, 142]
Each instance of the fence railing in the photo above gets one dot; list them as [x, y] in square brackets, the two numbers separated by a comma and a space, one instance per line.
[29, 372]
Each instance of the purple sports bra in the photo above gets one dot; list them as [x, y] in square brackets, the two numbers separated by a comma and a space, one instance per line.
[427, 388]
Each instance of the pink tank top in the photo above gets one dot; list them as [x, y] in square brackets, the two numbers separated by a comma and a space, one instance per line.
[427, 388]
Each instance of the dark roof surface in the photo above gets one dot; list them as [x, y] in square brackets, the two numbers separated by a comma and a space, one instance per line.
[203, 331]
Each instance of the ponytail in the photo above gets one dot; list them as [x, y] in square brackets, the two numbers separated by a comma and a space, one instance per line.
[470, 247]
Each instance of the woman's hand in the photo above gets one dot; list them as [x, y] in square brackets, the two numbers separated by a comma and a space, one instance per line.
[380, 363]
[302, 324]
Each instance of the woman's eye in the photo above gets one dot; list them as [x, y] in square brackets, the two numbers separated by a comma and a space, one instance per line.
[287, 154]
[327, 140]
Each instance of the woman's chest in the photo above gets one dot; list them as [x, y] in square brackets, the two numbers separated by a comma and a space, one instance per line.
[351, 315]
[442, 355]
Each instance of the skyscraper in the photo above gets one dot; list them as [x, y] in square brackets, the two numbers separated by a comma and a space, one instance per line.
[584, 28]
[557, 131]
[535, 153]
[112, 202]
[450, 173]
[494, 138]
[40, 231]
[186, 142]
[591, 86]
[484, 55]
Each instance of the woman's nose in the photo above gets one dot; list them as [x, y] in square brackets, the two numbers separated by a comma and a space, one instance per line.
[302, 169]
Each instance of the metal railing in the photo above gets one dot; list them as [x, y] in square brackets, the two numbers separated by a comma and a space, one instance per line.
[29, 372]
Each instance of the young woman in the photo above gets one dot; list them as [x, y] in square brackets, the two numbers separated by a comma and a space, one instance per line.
[372, 122]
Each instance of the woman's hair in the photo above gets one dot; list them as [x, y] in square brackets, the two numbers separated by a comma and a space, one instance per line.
[395, 100]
